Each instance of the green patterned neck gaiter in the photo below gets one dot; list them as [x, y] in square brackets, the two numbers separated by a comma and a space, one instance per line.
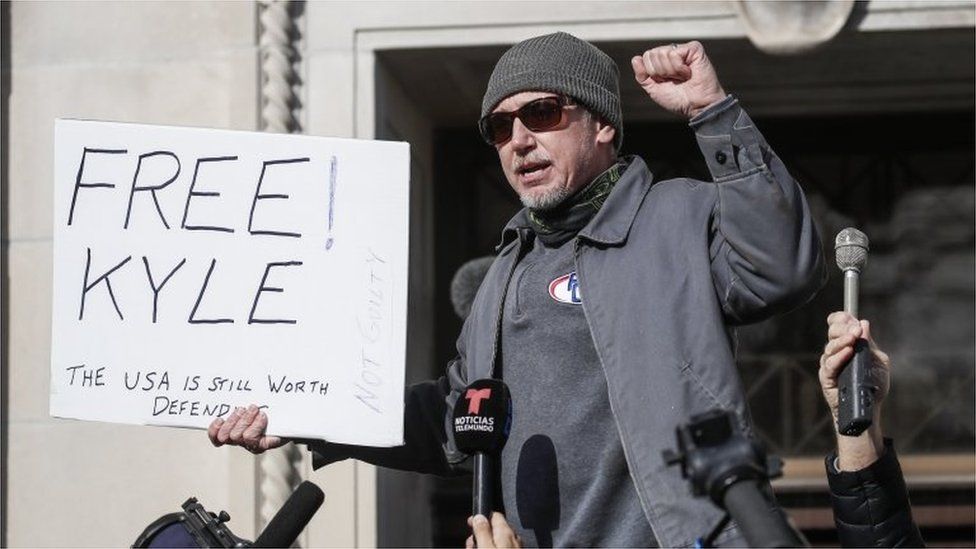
[554, 227]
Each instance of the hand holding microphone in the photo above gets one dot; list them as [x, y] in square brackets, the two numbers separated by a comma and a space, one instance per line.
[496, 534]
[482, 419]
[856, 388]
[843, 333]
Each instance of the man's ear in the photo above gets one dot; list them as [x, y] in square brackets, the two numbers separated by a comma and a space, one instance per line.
[605, 132]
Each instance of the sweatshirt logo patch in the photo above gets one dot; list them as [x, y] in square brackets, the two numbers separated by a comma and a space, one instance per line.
[565, 289]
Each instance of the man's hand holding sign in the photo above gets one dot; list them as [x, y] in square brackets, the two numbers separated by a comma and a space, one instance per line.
[244, 427]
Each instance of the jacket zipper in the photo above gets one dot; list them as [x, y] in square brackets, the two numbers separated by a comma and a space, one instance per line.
[645, 506]
[501, 305]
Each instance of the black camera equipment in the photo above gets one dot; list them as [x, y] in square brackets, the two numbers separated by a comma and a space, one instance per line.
[193, 527]
[721, 462]
[197, 527]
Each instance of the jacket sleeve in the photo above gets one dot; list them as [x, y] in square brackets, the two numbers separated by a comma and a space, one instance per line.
[871, 506]
[428, 438]
[764, 248]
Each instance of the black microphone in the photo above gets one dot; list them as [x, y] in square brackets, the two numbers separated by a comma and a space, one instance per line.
[537, 488]
[761, 521]
[482, 419]
[293, 516]
[855, 386]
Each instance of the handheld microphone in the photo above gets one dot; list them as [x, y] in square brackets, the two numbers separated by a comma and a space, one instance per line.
[855, 386]
[537, 488]
[292, 518]
[482, 419]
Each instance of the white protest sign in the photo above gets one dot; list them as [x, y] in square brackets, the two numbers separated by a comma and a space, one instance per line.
[197, 270]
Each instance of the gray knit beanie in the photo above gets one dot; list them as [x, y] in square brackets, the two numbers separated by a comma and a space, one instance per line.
[559, 63]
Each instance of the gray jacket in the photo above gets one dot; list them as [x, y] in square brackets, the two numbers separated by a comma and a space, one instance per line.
[666, 270]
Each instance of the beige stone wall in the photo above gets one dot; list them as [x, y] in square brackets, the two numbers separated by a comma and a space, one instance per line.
[91, 484]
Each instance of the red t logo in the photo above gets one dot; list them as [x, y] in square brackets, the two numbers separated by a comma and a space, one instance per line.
[474, 397]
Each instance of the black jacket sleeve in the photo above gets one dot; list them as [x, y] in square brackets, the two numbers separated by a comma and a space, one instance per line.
[871, 507]
[428, 439]
[424, 436]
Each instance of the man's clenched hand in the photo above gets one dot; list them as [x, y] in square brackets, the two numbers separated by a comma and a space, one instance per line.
[244, 427]
[678, 77]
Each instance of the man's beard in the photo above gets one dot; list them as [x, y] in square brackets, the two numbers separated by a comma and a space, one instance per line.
[547, 199]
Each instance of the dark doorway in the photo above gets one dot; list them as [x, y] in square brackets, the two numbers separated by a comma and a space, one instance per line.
[873, 147]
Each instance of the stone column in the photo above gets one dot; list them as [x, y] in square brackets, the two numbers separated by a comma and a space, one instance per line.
[279, 470]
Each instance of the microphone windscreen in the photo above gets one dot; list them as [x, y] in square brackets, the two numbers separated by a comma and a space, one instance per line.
[537, 487]
[851, 249]
[482, 417]
[293, 516]
[466, 282]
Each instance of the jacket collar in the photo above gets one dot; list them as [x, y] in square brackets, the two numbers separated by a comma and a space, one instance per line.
[611, 225]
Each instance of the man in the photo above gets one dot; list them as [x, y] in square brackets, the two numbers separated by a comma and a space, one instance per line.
[867, 489]
[609, 308]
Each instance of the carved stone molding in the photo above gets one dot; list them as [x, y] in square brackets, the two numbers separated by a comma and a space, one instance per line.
[280, 79]
[279, 469]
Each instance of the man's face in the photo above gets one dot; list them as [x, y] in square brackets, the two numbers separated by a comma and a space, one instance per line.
[547, 166]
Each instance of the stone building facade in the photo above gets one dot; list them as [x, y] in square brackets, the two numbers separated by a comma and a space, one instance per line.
[870, 102]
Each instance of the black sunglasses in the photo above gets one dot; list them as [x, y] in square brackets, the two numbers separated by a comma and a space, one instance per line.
[538, 115]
